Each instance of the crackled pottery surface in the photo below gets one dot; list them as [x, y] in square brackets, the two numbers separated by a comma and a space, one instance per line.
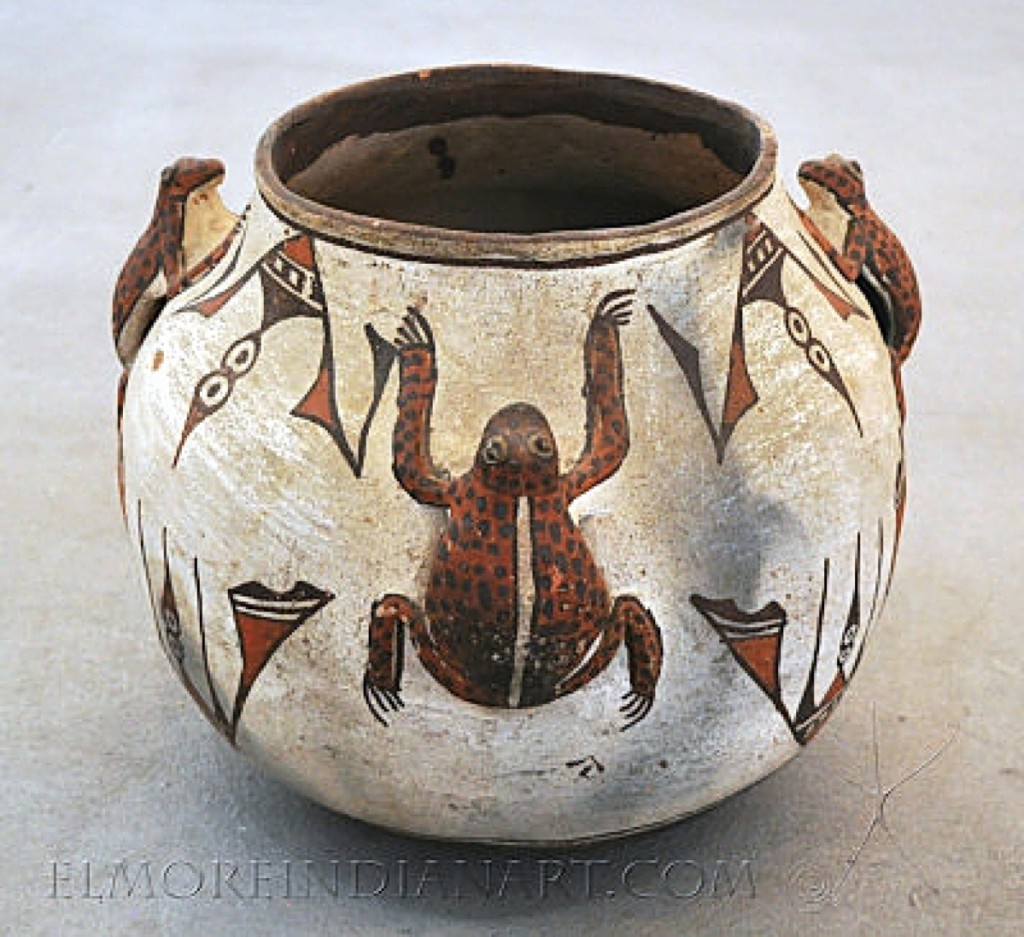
[522, 464]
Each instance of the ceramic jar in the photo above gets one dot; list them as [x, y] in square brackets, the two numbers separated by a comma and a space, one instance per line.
[523, 464]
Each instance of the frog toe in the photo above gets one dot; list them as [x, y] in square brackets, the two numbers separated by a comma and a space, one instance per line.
[380, 700]
[635, 707]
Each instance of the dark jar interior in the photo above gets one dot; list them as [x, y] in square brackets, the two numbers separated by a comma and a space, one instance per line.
[513, 151]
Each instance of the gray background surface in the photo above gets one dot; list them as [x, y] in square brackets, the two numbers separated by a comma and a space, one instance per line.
[103, 756]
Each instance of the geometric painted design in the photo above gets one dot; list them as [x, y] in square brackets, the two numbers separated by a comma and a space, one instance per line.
[291, 288]
[169, 627]
[760, 280]
[320, 405]
[755, 641]
[265, 619]
[740, 393]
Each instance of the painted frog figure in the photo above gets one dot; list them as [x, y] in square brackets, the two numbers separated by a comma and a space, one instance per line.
[516, 612]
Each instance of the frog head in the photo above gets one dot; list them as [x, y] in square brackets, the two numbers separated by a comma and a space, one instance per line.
[517, 454]
[833, 178]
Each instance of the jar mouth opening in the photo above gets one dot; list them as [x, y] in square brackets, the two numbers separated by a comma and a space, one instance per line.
[514, 164]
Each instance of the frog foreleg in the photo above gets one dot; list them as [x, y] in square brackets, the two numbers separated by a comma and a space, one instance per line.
[413, 466]
[607, 441]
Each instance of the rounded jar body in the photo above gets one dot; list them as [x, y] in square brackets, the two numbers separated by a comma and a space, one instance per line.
[474, 515]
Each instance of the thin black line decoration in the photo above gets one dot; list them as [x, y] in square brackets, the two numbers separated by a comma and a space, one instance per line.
[263, 619]
[218, 717]
[878, 570]
[811, 716]
[760, 280]
[291, 288]
[167, 616]
[587, 766]
[149, 579]
[755, 641]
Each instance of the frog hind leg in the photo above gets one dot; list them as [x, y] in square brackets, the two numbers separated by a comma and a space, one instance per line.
[644, 652]
[382, 681]
[629, 621]
[607, 648]
[391, 617]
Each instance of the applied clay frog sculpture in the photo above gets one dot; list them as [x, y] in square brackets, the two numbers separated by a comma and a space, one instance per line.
[187, 236]
[517, 612]
[870, 251]
[871, 256]
[178, 247]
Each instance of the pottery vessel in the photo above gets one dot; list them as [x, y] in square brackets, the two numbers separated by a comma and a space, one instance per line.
[523, 464]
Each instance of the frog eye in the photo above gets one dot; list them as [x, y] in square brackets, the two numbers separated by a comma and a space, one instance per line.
[494, 451]
[213, 391]
[540, 445]
[241, 356]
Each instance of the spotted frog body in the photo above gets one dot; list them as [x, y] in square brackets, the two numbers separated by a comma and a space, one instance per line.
[516, 611]
[871, 253]
[158, 267]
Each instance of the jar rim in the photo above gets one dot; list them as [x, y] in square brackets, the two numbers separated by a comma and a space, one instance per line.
[382, 104]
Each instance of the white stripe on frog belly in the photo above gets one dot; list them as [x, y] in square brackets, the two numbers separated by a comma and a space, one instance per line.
[526, 594]
[591, 651]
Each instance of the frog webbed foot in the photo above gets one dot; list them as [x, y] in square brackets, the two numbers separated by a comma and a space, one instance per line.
[414, 332]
